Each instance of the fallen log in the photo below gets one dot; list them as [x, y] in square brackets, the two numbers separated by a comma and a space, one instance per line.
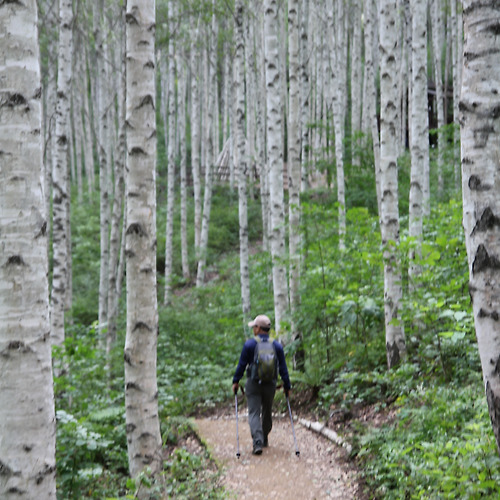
[326, 432]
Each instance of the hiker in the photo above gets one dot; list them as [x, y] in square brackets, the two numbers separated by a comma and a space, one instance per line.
[264, 358]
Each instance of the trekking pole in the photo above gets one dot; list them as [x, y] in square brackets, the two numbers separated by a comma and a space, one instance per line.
[237, 434]
[297, 452]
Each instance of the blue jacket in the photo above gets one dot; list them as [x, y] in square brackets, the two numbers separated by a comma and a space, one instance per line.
[247, 356]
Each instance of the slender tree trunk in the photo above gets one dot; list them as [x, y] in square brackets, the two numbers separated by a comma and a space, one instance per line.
[50, 102]
[241, 157]
[261, 130]
[356, 73]
[27, 417]
[389, 217]
[457, 51]
[336, 27]
[88, 137]
[419, 136]
[294, 165]
[480, 123]
[104, 166]
[195, 137]
[275, 159]
[141, 391]
[171, 154]
[305, 91]
[60, 175]
[181, 105]
[437, 47]
[115, 240]
[210, 124]
[371, 95]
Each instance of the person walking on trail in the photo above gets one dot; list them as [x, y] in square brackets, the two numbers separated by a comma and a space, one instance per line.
[265, 358]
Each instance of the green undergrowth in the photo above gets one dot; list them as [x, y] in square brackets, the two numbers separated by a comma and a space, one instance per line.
[440, 445]
[431, 437]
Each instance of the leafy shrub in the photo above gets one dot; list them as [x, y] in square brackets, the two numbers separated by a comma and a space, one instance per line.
[441, 446]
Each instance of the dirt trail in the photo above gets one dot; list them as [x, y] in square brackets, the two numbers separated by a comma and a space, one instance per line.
[318, 473]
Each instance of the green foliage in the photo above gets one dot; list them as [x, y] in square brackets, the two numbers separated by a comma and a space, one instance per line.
[438, 442]
[440, 446]
[91, 441]
[85, 260]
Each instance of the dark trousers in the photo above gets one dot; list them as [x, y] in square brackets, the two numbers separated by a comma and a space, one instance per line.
[260, 404]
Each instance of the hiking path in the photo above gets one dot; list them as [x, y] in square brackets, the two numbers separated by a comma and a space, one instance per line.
[321, 471]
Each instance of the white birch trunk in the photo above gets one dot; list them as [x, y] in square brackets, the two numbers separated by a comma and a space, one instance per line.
[181, 105]
[456, 42]
[50, 103]
[195, 136]
[305, 91]
[115, 240]
[27, 418]
[275, 160]
[356, 71]
[437, 44]
[480, 125]
[405, 75]
[389, 217]
[294, 165]
[337, 49]
[102, 114]
[171, 154]
[241, 162]
[88, 136]
[60, 175]
[260, 68]
[371, 94]
[141, 391]
[78, 122]
[209, 151]
[419, 135]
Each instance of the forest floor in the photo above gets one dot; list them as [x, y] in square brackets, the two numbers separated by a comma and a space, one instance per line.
[320, 471]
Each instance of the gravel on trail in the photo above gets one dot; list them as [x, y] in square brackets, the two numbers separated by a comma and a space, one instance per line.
[319, 472]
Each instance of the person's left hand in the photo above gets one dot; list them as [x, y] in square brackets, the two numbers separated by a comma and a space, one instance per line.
[236, 385]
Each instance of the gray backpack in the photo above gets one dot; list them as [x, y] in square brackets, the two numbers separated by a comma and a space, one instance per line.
[265, 362]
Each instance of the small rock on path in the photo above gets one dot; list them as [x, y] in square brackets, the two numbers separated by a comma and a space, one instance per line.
[319, 472]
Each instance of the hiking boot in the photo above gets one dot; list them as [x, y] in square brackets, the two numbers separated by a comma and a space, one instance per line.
[257, 448]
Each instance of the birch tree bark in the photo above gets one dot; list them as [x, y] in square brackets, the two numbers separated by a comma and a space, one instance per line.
[356, 71]
[305, 91]
[210, 124]
[50, 100]
[115, 239]
[181, 106]
[195, 135]
[370, 111]
[294, 165]
[101, 114]
[275, 160]
[141, 392]
[437, 48]
[171, 154]
[260, 68]
[27, 417]
[389, 216]
[241, 162]
[419, 126]
[60, 174]
[480, 125]
[88, 136]
[338, 51]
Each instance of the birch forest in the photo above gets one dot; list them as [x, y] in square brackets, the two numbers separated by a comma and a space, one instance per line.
[171, 169]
